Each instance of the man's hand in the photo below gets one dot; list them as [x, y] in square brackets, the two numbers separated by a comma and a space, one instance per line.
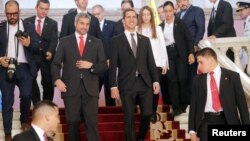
[83, 64]
[163, 70]
[212, 37]
[108, 61]
[48, 55]
[156, 88]
[60, 85]
[194, 137]
[115, 93]
[25, 41]
[4, 61]
[191, 58]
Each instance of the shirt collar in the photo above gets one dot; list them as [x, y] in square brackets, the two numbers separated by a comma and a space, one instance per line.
[216, 4]
[78, 35]
[42, 19]
[38, 130]
[247, 19]
[128, 32]
[80, 11]
[102, 22]
[217, 70]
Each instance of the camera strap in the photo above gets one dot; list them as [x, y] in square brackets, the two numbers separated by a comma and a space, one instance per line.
[16, 41]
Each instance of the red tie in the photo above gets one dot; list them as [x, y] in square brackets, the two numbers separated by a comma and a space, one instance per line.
[81, 45]
[45, 137]
[38, 27]
[215, 93]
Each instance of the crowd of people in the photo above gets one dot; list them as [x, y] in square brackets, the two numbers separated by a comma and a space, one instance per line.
[135, 59]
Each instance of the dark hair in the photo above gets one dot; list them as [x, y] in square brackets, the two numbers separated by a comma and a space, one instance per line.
[168, 3]
[42, 1]
[43, 103]
[161, 6]
[128, 1]
[207, 52]
[152, 21]
[12, 1]
[126, 11]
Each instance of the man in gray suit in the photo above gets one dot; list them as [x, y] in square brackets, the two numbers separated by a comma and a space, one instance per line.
[83, 58]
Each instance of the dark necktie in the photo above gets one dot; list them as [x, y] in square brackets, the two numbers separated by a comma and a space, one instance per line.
[38, 27]
[213, 14]
[81, 45]
[133, 44]
[215, 93]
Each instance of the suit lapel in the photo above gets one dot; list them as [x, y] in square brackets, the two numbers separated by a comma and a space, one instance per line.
[87, 45]
[223, 82]
[218, 10]
[45, 24]
[75, 45]
[187, 12]
[127, 45]
[105, 27]
[35, 135]
[138, 43]
[204, 89]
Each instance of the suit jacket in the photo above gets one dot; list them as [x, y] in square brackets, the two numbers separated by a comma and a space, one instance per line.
[28, 51]
[119, 28]
[182, 38]
[68, 53]
[49, 37]
[194, 19]
[231, 96]
[223, 25]
[68, 26]
[108, 33]
[123, 59]
[29, 135]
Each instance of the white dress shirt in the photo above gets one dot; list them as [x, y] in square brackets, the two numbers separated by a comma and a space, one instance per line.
[42, 22]
[78, 38]
[13, 41]
[39, 132]
[217, 76]
[128, 35]
[169, 33]
[158, 46]
[101, 24]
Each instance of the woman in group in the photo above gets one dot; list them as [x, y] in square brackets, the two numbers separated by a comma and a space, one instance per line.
[147, 27]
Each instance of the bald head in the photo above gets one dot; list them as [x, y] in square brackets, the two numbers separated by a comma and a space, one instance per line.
[43, 108]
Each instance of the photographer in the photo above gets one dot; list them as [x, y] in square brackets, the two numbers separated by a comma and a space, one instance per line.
[17, 43]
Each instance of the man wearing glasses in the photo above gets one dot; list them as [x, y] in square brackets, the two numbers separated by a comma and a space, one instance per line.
[18, 40]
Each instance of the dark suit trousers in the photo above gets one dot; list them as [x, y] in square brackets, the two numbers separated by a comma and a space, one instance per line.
[145, 97]
[176, 79]
[23, 79]
[104, 81]
[210, 120]
[46, 80]
[78, 108]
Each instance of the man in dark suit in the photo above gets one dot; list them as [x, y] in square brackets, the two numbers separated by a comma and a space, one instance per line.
[17, 65]
[107, 28]
[137, 75]
[217, 96]
[180, 54]
[47, 30]
[119, 27]
[194, 18]
[221, 22]
[83, 59]
[45, 119]
[68, 27]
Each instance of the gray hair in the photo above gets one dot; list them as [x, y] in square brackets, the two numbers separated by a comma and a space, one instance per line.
[98, 6]
[81, 15]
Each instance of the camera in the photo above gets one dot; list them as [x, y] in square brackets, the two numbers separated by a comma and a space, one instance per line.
[11, 68]
[21, 33]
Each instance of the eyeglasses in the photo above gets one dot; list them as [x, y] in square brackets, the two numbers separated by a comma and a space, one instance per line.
[14, 14]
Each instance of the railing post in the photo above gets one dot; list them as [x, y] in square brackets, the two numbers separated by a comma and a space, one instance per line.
[236, 50]
[248, 53]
